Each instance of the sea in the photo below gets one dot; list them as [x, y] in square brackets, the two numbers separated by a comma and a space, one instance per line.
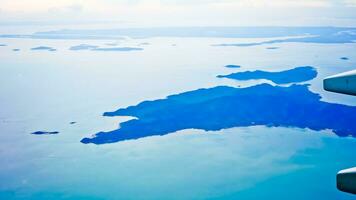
[68, 91]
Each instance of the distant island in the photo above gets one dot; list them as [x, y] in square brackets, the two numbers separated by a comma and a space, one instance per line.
[118, 49]
[45, 133]
[97, 48]
[16, 49]
[331, 36]
[298, 74]
[3, 45]
[144, 44]
[232, 66]
[111, 44]
[43, 48]
[344, 58]
[272, 48]
[321, 35]
[83, 47]
[224, 107]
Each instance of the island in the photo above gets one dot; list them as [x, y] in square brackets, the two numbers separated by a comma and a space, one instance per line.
[298, 74]
[222, 107]
[111, 44]
[232, 66]
[118, 49]
[82, 47]
[43, 48]
[344, 58]
[144, 44]
[322, 37]
[45, 133]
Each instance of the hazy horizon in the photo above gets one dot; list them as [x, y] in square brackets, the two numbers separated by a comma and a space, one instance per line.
[148, 13]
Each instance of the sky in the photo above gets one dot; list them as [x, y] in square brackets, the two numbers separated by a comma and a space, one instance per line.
[152, 13]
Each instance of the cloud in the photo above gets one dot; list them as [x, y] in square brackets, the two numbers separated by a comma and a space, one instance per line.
[253, 3]
[75, 8]
[184, 12]
[350, 3]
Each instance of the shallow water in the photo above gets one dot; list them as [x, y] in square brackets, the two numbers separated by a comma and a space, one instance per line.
[44, 90]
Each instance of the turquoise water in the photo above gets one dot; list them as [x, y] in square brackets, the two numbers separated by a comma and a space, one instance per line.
[45, 90]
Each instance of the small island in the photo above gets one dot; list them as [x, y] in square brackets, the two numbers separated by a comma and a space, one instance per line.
[83, 47]
[97, 48]
[144, 44]
[43, 48]
[111, 44]
[232, 66]
[344, 58]
[118, 49]
[298, 74]
[45, 133]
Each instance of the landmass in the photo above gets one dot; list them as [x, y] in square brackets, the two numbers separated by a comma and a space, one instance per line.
[43, 48]
[232, 66]
[83, 47]
[224, 107]
[15, 49]
[144, 44]
[45, 133]
[328, 37]
[298, 74]
[3, 45]
[97, 48]
[344, 58]
[272, 48]
[118, 49]
[111, 44]
[323, 35]
[61, 36]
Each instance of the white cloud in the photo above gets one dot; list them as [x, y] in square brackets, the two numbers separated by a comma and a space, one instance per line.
[75, 9]
[186, 12]
[350, 3]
